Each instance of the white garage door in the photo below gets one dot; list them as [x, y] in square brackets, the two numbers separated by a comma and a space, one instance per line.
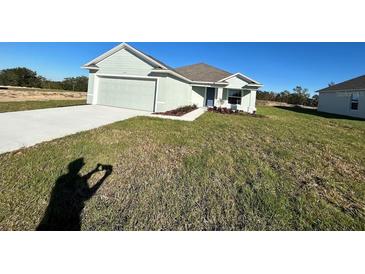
[127, 93]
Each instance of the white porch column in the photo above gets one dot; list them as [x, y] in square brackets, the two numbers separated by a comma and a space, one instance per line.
[219, 97]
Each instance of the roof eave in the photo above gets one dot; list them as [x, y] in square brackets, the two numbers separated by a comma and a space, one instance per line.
[89, 67]
[253, 86]
[340, 90]
[209, 83]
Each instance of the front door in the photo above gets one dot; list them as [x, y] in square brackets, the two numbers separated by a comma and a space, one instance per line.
[210, 97]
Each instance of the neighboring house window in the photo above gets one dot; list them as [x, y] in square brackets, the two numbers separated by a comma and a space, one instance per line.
[354, 101]
[234, 97]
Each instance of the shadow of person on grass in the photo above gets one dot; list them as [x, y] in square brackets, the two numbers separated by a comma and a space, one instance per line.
[68, 197]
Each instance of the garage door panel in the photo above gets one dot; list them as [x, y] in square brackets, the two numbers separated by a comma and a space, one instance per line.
[127, 93]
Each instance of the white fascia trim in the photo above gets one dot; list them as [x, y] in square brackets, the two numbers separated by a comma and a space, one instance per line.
[200, 83]
[252, 85]
[239, 74]
[91, 68]
[119, 47]
[105, 55]
[206, 85]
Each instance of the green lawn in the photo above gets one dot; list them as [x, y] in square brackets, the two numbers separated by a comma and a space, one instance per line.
[29, 105]
[285, 171]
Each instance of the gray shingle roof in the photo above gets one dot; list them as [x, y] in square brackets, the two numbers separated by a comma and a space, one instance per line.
[158, 61]
[202, 72]
[355, 83]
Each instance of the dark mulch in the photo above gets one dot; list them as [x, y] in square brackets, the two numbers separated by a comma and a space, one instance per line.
[179, 111]
[230, 111]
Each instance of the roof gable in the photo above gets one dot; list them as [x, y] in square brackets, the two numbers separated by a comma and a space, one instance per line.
[236, 82]
[242, 77]
[357, 83]
[149, 59]
[202, 72]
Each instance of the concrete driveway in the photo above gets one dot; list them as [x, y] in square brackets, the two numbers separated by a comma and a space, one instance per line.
[27, 128]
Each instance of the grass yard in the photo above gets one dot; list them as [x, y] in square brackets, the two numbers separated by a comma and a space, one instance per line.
[285, 171]
[29, 105]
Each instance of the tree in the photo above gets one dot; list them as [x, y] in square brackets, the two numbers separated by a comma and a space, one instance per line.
[265, 95]
[75, 83]
[300, 96]
[23, 77]
[314, 101]
[283, 96]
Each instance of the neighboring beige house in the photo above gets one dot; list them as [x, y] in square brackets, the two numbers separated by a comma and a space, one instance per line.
[128, 78]
[346, 98]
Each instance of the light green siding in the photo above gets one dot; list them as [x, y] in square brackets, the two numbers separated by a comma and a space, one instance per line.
[124, 62]
[172, 93]
[235, 83]
[198, 96]
[127, 93]
[246, 100]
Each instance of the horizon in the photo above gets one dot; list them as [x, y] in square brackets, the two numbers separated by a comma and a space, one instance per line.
[278, 66]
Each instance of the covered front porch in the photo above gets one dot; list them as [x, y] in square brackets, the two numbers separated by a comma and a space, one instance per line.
[237, 99]
[236, 92]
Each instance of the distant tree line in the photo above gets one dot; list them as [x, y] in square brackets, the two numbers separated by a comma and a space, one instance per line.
[298, 96]
[24, 77]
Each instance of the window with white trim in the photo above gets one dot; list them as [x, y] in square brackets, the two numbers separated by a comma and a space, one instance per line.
[234, 97]
[354, 101]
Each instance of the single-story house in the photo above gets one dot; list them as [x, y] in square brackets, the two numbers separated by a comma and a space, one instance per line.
[128, 78]
[346, 98]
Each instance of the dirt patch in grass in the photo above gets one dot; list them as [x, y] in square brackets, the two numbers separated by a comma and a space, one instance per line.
[10, 95]
[179, 111]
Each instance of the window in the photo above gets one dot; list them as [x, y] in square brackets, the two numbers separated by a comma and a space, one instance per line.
[354, 101]
[234, 97]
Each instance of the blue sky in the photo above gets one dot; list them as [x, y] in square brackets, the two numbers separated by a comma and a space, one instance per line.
[278, 66]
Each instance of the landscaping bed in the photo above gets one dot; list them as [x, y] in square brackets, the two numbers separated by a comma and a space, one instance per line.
[179, 111]
[231, 111]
